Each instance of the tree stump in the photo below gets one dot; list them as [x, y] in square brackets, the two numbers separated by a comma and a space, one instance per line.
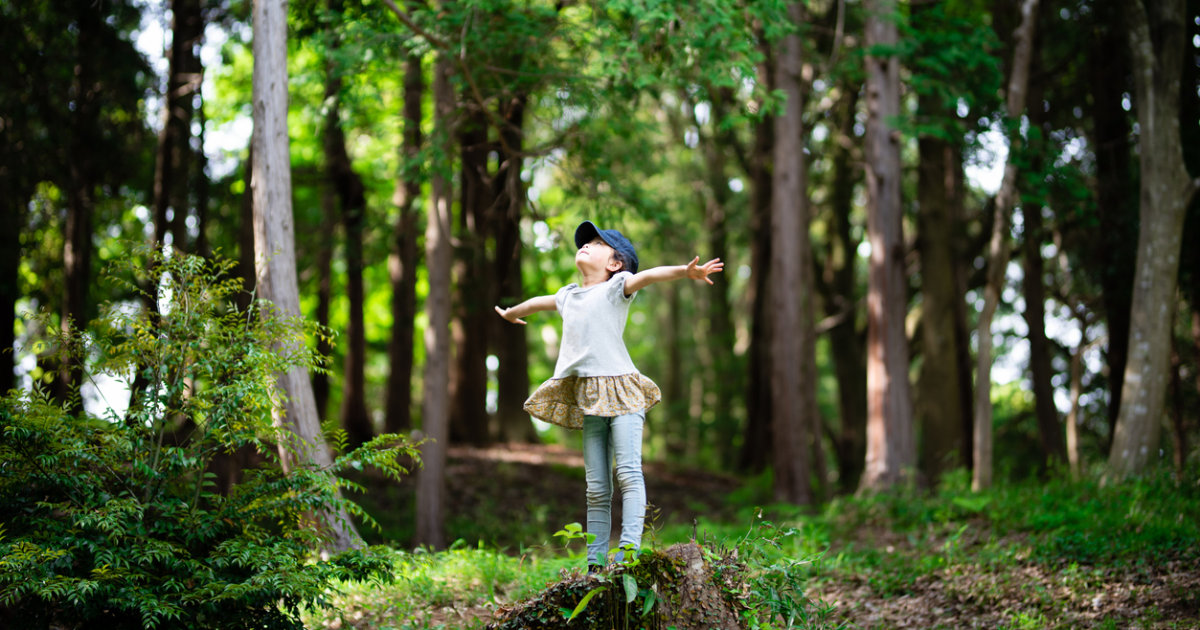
[675, 588]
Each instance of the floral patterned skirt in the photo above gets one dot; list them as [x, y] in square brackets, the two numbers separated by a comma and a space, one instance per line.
[565, 401]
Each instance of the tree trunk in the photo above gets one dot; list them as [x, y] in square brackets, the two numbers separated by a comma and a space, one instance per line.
[793, 338]
[80, 190]
[245, 268]
[12, 214]
[757, 438]
[273, 232]
[999, 247]
[324, 264]
[1166, 191]
[1116, 233]
[353, 204]
[509, 342]
[725, 372]
[840, 288]
[174, 156]
[1054, 450]
[402, 263]
[435, 409]
[939, 391]
[473, 297]
[891, 444]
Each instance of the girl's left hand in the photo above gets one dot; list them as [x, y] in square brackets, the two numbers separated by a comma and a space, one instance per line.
[701, 272]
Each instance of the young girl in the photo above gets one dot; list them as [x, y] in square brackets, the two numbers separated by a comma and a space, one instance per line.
[595, 386]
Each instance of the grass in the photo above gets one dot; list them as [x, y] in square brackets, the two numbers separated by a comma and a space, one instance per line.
[1032, 555]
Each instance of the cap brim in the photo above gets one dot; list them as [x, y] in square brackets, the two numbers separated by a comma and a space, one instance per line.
[585, 233]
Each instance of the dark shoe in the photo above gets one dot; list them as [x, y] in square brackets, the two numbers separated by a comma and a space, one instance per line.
[594, 569]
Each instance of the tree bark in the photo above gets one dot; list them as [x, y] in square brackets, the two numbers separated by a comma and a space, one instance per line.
[435, 409]
[1118, 225]
[324, 264]
[757, 437]
[80, 190]
[274, 239]
[725, 371]
[509, 342]
[939, 389]
[891, 444]
[402, 263]
[473, 295]
[1166, 191]
[173, 159]
[793, 337]
[353, 204]
[12, 213]
[999, 247]
[840, 288]
[1054, 450]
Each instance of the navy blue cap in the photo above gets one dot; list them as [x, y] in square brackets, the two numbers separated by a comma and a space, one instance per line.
[621, 245]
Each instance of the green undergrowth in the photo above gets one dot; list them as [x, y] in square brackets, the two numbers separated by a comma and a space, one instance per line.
[980, 548]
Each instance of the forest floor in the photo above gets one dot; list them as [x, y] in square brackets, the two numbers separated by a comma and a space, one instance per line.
[864, 570]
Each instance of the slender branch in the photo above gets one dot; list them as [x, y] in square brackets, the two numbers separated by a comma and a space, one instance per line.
[414, 27]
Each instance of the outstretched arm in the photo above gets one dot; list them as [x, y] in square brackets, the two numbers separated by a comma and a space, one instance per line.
[692, 270]
[528, 307]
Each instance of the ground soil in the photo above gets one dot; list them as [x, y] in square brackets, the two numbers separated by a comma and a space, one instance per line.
[1023, 595]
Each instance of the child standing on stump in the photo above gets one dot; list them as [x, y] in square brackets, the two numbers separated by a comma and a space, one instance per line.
[596, 387]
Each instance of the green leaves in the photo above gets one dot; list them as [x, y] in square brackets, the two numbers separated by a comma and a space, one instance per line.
[118, 521]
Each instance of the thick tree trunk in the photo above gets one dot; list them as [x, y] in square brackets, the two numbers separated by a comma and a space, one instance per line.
[725, 370]
[80, 190]
[435, 409]
[793, 337]
[353, 204]
[174, 157]
[473, 295]
[891, 443]
[1166, 191]
[402, 263]
[840, 280]
[1116, 233]
[999, 247]
[757, 438]
[509, 342]
[274, 232]
[938, 400]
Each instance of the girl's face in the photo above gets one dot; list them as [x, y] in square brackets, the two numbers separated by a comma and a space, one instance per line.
[596, 255]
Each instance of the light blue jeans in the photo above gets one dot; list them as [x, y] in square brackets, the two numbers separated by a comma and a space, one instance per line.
[606, 440]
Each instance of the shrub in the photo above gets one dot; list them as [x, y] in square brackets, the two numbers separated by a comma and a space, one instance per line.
[117, 521]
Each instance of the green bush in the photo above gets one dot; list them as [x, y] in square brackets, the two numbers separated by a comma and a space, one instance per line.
[117, 521]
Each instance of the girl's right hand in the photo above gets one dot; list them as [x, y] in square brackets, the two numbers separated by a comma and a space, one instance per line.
[505, 313]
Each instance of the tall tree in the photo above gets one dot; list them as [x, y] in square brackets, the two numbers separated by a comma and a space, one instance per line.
[172, 199]
[838, 282]
[435, 407]
[757, 437]
[999, 246]
[1054, 448]
[508, 342]
[891, 443]
[352, 201]
[1157, 40]
[82, 178]
[274, 240]
[793, 338]
[402, 262]
[1111, 131]
[472, 280]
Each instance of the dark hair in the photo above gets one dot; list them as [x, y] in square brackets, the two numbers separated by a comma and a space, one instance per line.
[622, 258]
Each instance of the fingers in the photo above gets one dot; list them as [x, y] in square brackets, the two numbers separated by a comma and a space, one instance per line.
[503, 312]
